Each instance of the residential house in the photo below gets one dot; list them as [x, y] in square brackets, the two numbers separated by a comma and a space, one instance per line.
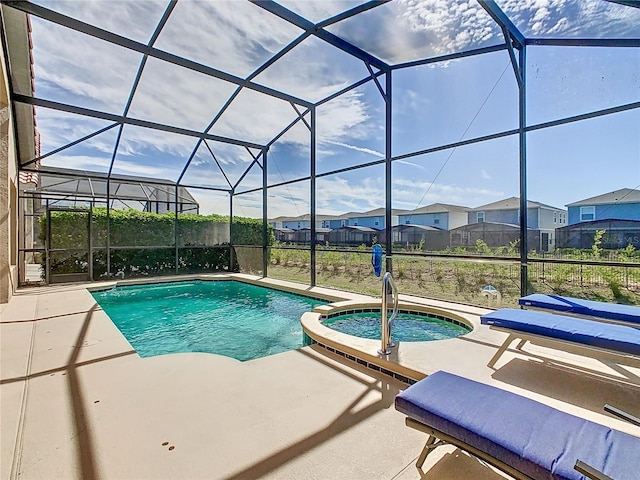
[336, 221]
[623, 204]
[617, 213]
[439, 215]
[373, 218]
[540, 217]
[299, 222]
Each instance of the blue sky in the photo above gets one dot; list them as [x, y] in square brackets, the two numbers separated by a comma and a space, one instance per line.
[432, 105]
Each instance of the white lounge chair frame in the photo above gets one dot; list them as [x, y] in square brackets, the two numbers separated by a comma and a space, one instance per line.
[564, 345]
[437, 438]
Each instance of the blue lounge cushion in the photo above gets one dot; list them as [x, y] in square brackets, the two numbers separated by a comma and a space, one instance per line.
[609, 311]
[535, 439]
[619, 338]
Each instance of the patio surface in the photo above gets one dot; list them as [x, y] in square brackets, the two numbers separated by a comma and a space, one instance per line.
[78, 402]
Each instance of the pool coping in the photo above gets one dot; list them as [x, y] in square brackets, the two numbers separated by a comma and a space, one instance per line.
[398, 364]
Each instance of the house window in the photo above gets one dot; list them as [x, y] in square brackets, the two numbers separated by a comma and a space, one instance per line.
[480, 217]
[376, 223]
[298, 224]
[436, 221]
[587, 213]
[555, 217]
[407, 222]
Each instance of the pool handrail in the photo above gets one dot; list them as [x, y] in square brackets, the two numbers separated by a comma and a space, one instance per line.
[387, 281]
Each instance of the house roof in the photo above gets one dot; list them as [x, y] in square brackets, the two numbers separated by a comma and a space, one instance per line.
[426, 228]
[301, 218]
[512, 203]
[608, 224]
[318, 230]
[437, 208]
[484, 225]
[358, 228]
[376, 212]
[624, 195]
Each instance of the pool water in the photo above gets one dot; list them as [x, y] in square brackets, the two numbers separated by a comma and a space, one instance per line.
[229, 318]
[407, 327]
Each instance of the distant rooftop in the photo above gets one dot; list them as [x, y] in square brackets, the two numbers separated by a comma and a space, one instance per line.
[624, 195]
[511, 203]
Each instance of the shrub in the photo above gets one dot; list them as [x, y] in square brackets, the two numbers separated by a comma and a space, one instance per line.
[202, 240]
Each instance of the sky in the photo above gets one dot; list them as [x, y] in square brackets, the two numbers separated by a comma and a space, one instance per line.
[432, 105]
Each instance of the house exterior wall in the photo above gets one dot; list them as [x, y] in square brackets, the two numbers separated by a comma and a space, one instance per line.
[8, 194]
[377, 221]
[373, 222]
[457, 219]
[296, 224]
[438, 220]
[551, 218]
[620, 211]
[497, 216]
[334, 223]
[537, 218]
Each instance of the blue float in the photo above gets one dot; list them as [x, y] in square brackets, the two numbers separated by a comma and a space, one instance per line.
[376, 259]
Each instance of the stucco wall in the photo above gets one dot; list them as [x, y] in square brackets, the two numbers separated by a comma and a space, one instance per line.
[8, 194]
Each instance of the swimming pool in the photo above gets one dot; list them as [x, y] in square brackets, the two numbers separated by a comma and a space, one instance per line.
[230, 318]
[408, 326]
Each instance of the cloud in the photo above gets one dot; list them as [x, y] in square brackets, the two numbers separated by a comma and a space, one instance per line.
[73, 68]
[484, 174]
[256, 117]
[176, 96]
[357, 149]
[136, 20]
[411, 164]
[408, 191]
[408, 30]
[225, 35]
[313, 71]
[80, 70]
[79, 162]
[568, 18]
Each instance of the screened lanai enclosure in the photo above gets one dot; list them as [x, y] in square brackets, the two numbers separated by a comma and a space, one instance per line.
[285, 138]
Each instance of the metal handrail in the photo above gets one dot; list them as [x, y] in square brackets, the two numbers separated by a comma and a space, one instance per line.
[387, 325]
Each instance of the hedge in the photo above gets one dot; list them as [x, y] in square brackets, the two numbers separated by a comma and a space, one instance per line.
[203, 241]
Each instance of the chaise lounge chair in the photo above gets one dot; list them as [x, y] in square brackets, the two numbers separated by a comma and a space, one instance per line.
[610, 312]
[523, 438]
[577, 335]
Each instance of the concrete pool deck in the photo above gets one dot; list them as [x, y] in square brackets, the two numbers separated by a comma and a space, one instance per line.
[78, 402]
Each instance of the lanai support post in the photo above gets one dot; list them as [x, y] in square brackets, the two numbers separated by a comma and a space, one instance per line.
[313, 198]
[231, 251]
[524, 247]
[175, 227]
[388, 170]
[265, 253]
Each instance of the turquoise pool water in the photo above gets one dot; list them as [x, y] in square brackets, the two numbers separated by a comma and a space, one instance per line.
[229, 318]
[408, 327]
